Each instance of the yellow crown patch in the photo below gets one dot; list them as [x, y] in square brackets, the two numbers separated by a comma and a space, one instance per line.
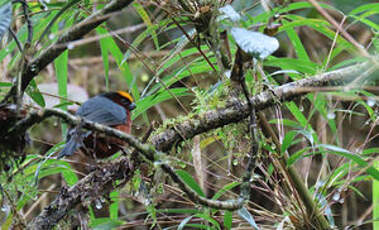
[126, 95]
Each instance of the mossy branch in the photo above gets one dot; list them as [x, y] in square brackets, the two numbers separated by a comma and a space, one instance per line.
[236, 112]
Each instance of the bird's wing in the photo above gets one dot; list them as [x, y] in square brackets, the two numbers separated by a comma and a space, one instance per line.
[102, 110]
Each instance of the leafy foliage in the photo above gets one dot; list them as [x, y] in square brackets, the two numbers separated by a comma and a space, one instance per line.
[176, 59]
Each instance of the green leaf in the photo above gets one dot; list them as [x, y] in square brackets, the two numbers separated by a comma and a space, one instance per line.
[122, 65]
[61, 68]
[297, 114]
[34, 93]
[5, 84]
[224, 189]
[228, 218]
[139, 39]
[288, 140]
[191, 68]
[309, 134]
[208, 218]
[297, 44]
[150, 208]
[180, 210]
[264, 17]
[296, 156]
[287, 122]
[149, 101]
[177, 53]
[105, 223]
[113, 208]
[319, 25]
[301, 66]
[190, 182]
[368, 22]
[354, 157]
[369, 151]
[146, 19]
[347, 62]
[69, 177]
[320, 104]
[366, 7]
[375, 199]
[40, 22]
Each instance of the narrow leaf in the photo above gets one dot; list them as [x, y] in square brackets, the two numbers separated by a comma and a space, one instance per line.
[228, 218]
[288, 140]
[224, 189]
[190, 182]
[375, 200]
[354, 157]
[146, 19]
[34, 93]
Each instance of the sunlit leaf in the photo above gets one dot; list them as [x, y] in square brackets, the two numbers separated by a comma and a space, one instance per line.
[5, 84]
[228, 218]
[149, 101]
[354, 157]
[113, 208]
[146, 19]
[190, 182]
[224, 189]
[209, 218]
[288, 140]
[33, 92]
[375, 199]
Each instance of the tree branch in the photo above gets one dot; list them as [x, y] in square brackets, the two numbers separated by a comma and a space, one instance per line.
[235, 112]
[99, 182]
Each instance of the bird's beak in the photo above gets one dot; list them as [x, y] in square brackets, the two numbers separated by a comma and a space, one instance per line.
[132, 106]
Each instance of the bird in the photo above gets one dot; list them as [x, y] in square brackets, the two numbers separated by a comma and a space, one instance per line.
[112, 109]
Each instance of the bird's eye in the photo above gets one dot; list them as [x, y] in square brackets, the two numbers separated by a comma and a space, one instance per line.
[124, 101]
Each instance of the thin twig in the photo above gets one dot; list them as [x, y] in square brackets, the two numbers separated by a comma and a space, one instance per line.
[18, 43]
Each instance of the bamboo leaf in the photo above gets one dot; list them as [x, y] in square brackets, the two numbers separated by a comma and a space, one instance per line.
[188, 179]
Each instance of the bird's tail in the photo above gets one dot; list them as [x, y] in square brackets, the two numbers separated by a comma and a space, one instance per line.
[73, 142]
